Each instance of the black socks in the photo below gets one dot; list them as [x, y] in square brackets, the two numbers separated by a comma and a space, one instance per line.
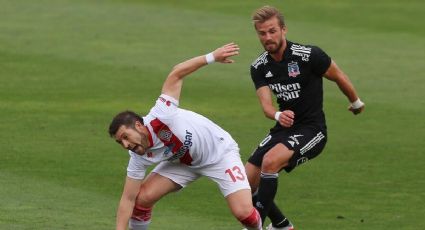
[266, 192]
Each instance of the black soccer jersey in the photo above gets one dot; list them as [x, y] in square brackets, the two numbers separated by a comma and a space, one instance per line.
[296, 81]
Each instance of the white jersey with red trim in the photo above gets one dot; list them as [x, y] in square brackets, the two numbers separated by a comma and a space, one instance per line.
[179, 135]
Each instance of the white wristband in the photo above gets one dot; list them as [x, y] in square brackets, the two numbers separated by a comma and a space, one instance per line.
[357, 104]
[277, 115]
[210, 58]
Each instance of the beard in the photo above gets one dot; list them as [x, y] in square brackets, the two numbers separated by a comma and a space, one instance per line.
[275, 48]
[142, 146]
[139, 149]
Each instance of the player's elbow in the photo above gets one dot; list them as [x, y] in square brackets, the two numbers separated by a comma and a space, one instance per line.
[176, 72]
[176, 67]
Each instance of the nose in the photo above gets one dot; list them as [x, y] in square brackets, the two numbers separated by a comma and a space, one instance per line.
[268, 36]
[125, 144]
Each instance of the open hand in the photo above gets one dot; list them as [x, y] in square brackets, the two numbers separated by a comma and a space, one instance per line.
[223, 53]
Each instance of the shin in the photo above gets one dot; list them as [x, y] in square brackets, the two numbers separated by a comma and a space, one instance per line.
[253, 221]
[141, 218]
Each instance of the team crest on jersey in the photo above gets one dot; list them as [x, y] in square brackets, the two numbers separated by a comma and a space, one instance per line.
[293, 69]
[165, 135]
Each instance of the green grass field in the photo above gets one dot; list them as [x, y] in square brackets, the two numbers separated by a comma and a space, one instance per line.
[66, 67]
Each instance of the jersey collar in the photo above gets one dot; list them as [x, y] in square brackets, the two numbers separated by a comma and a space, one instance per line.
[287, 51]
[149, 134]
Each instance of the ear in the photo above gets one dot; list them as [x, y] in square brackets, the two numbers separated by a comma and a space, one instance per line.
[138, 125]
[284, 30]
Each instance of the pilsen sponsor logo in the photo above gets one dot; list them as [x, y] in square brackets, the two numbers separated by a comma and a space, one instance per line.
[186, 145]
[286, 92]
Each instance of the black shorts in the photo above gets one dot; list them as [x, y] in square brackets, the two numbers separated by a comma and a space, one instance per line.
[307, 142]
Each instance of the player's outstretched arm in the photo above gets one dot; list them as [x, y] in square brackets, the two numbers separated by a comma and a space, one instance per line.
[334, 73]
[173, 84]
[126, 205]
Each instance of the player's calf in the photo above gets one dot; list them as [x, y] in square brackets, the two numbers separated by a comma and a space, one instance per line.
[141, 218]
[253, 221]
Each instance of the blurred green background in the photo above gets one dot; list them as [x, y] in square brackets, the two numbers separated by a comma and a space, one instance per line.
[67, 67]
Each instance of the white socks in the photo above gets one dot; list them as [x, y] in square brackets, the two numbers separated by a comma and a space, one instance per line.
[138, 225]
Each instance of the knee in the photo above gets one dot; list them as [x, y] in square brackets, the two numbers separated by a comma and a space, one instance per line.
[252, 220]
[145, 198]
[243, 212]
[269, 164]
[273, 162]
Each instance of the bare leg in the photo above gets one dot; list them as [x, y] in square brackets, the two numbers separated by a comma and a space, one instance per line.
[152, 189]
[274, 160]
[241, 207]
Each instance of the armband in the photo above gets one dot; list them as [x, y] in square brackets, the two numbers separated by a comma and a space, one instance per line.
[277, 115]
[210, 58]
[357, 104]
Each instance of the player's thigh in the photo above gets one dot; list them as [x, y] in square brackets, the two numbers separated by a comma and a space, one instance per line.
[253, 174]
[269, 142]
[165, 178]
[229, 173]
[180, 174]
[154, 188]
[276, 158]
[272, 154]
[240, 203]
[256, 157]
[307, 144]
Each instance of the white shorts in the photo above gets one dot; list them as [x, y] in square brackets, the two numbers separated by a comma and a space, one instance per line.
[228, 173]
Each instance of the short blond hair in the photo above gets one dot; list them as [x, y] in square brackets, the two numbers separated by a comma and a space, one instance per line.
[265, 13]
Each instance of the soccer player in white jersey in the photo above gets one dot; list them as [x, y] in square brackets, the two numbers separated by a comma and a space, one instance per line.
[185, 145]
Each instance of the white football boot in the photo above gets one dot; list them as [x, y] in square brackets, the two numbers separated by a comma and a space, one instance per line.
[289, 227]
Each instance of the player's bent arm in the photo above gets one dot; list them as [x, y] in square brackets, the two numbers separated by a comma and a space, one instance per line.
[173, 84]
[335, 74]
[265, 97]
[285, 118]
[126, 205]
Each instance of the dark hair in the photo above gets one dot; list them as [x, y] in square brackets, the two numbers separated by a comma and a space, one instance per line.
[265, 13]
[126, 118]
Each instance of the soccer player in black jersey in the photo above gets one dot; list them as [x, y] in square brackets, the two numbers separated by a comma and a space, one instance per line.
[293, 73]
